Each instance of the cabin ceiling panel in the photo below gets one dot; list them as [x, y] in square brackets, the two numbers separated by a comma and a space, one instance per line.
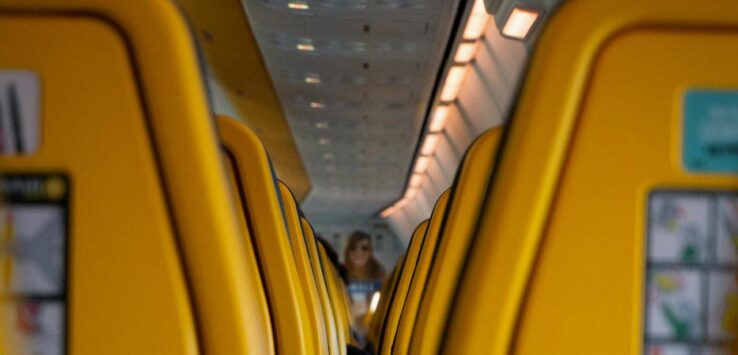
[354, 78]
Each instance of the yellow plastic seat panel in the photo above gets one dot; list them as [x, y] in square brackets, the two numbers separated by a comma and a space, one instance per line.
[399, 292]
[259, 316]
[337, 299]
[336, 337]
[304, 269]
[418, 282]
[260, 204]
[346, 302]
[558, 263]
[124, 116]
[379, 315]
[464, 205]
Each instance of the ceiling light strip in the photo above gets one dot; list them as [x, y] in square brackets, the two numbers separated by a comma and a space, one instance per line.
[476, 25]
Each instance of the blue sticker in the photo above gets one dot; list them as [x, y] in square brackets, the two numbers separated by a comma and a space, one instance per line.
[710, 138]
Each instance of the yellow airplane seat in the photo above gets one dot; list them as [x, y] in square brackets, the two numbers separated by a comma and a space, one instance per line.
[334, 321]
[328, 337]
[337, 295]
[295, 324]
[379, 315]
[116, 210]
[396, 300]
[609, 225]
[409, 312]
[453, 238]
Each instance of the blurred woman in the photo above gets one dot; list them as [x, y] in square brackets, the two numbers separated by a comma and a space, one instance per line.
[359, 258]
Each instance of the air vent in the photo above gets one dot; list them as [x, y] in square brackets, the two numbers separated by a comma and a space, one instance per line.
[403, 4]
[302, 44]
[319, 4]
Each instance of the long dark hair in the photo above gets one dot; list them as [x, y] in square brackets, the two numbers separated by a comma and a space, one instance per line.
[373, 270]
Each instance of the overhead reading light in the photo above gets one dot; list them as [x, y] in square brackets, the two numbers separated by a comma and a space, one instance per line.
[305, 47]
[312, 79]
[321, 124]
[324, 141]
[453, 83]
[298, 5]
[438, 120]
[477, 22]
[421, 165]
[466, 51]
[415, 180]
[410, 193]
[317, 104]
[520, 22]
[430, 144]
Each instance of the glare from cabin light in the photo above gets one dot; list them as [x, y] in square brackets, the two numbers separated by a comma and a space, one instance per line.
[454, 79]
[520, 22]
[430, 144]
[298, 5]
[317, 104]
[312, 79]
[401, 203]
[410, 193]
[374, 302]
[466, 52]
[477, 22]
[421, 165]
[327, 156]
[321, 124]
[308, 47]
[415, 180]
[438, 120]
[324, 141]
[388, 212]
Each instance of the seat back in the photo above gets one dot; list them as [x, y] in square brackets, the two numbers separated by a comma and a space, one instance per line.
[380, 314]
[399, 292]
[260, 313]
[123, 231]
[409, 314]
[334, 323]
[338, 301]
[260, 204]
[607, 223]
[305, 270]
[454, 236]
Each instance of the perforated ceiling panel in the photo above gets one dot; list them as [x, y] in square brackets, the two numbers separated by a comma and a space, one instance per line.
[354, 78]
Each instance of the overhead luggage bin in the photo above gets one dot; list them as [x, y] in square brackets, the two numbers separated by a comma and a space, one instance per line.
[304, 269]
[607, 225]
[334, 323]
[399, 293]
[115, 188]
[260, 203]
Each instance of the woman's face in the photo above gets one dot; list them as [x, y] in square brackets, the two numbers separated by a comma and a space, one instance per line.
[360, 253]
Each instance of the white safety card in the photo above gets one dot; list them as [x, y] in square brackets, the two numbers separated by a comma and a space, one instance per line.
[691, 295]
[33, 261]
